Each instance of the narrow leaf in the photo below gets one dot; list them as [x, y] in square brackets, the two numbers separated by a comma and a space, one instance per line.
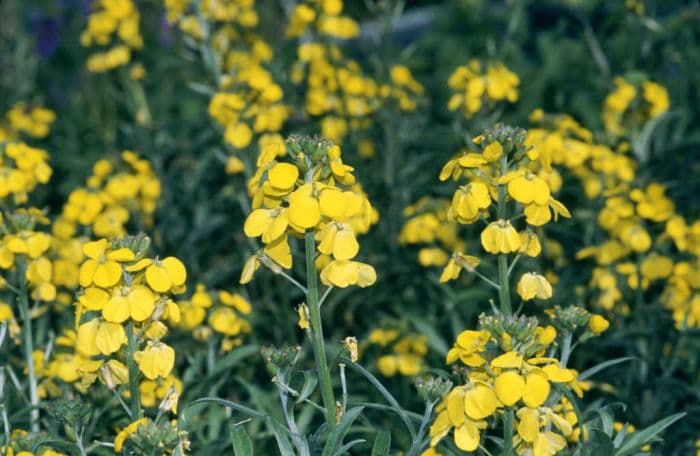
[646, 435]
[335, 439]
[602, 366]
[283, 443]
[242, 446]
[382, 443]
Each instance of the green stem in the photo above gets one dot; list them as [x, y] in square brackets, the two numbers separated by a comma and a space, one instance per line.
[504, 286]
[565, 349]
[28, 348]
[134, 396]
[324, 374]
[508, 433]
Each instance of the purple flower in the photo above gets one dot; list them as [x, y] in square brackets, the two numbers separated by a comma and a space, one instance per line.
[45, 31]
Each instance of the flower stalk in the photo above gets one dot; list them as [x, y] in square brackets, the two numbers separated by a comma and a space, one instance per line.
[28, 348]
[312, 300]
[503, 270]
[134, 392]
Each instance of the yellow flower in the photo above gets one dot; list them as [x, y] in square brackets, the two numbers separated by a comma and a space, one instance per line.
[303, 312]
[467, 347]
[225, 321]
[279, 251]
[470, 200]
[533, 285]
[455, 265]
[530, 244]
[343, 273]
[136, 302]
[268, 223]
[101, 268]
[350, 343]
[598, 324]
[493, 151]
[127, 431]
[166, 274]
[251, 265]
[156, 360]
[528, 188]
[500, 237]
[96, 336]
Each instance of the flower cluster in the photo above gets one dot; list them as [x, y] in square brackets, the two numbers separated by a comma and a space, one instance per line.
[114, 27]
[23, 249]
[240, 14]
[314, 192]
[324, 17]
[504, 171]
[428, 223]
[402, 88]
[125, 301]
[634, 101]
[22, 167]
[34, 121]
[477, 86]
[337, 90]
[407, 351]
[113, 195]
[250, 104]
[509, 370]
[206, 314]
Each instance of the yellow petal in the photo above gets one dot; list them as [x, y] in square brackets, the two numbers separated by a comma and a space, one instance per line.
[86, 338]
[529, 426]
[93, 298]
[107, 274]
[176, 270]
[480, 402]
[345, 246]
[537, 389]
[283, 176]
[158, 278]
[509, 360]
[455, 406]
[139, 265]
[332, 203]
[95, 249]
[509, 387]
[467, 436]
[86, 273]
[304, 211]
[116, 310]
[257, 222]
[110, 337]
[141, 303]
[280, 252]
[121, 255]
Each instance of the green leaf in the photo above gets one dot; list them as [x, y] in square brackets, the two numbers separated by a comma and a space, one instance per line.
[646, 435]
[335, 439]
[242, 446]
[599, 443]
[232, 405]
[310, 382]
[435, 341]
[280, 434]
[602, 366]
[382, 443]
[344, 449]
[384, 392]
